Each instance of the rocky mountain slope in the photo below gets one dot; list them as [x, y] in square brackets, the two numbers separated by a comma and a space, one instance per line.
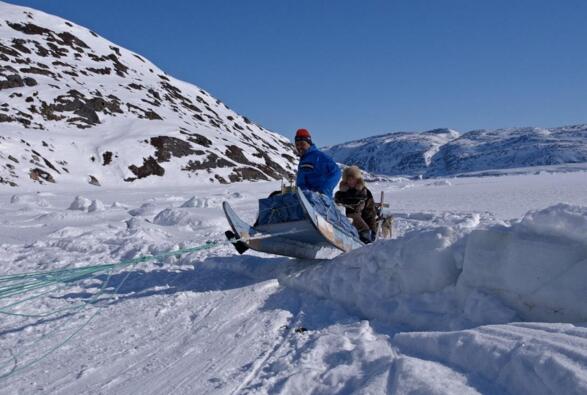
[76, 108]
[446, 152]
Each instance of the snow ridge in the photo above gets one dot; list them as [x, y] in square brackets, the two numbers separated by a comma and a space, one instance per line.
[531, 269]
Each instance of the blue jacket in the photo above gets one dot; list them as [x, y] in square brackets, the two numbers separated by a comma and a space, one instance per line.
[317, 172]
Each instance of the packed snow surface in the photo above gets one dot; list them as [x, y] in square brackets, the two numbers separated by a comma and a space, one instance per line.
[479, 291]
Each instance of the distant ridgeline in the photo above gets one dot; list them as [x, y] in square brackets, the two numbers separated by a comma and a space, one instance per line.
[75, 108]
[442, 152]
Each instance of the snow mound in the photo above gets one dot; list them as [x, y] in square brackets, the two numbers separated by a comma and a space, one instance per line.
[96, 206]
[29, 200]
[80, 203]
[118, 205]
[459, 276]
[195, 202]
[392, 279]
[174, 216]
[144, 210]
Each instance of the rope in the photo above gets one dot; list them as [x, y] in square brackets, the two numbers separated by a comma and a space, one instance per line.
[22, 284]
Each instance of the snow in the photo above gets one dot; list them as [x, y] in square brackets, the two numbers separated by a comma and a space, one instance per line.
[476, 293]
[537, 266]
[443, 152]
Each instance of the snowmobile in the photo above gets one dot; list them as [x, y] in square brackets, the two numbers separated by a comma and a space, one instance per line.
[295, 223]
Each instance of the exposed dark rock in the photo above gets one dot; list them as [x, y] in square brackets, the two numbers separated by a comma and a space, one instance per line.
[198, 139]
[6, 118]
[246, 173]
[212, 161]
[288, 157]
[148, 114]
[85, 109]
[71, 40]
[40, 175]
[154, 93]
[41, 51]
[106, 158]
[94, 181]
[12, 158]
[37, 70]
[103, 71]
[8, 51]
[18, 44]
[57, 51]
[29, 28]
[149, 167]
[116, 49]
[236, 154]
[201, 100]
[8, 182]
[86, 113]
[220, 179]
[152, 115]
[50, 165]
[120, 68]
[168, 147]
[16, 81]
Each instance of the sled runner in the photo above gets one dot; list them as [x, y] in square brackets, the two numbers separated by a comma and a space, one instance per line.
[300, 224]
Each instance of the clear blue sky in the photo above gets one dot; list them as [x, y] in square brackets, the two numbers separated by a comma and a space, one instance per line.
[350, 69]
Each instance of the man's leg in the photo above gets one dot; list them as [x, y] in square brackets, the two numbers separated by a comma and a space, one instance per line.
[362, 227]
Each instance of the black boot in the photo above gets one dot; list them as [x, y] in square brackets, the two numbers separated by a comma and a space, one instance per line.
[366, 236]
[240, 246]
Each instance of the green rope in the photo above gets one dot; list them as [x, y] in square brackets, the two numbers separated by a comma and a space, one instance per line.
[21, 284]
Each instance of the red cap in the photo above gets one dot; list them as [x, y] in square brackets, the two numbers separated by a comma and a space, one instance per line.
[304, 135]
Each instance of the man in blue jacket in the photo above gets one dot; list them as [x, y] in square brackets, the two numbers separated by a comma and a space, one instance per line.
[316, 170]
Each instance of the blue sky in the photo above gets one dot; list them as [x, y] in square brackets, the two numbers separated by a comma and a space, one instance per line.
[351, 69]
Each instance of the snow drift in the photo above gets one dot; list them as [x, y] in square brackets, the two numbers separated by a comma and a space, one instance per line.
[458, 276]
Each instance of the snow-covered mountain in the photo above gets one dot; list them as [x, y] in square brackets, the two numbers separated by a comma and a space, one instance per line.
[393, 153]
[510, 148]
[76, 108]
[446, 152]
